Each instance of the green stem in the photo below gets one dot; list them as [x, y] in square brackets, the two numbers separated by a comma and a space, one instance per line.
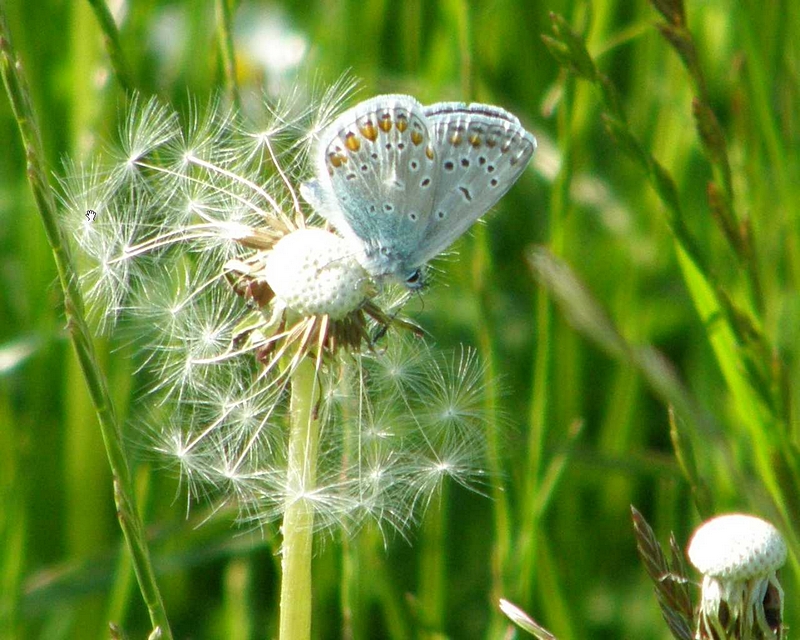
[350, 591]
[388, 594]
[433, 570]
[13, 522]
[238, 590]
[481, 269]
[542, 384]
[224, 20]
[111, 37]
[127, 513]
[460, 11]
[298, 518]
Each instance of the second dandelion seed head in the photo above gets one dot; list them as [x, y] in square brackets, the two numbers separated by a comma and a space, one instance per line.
[739, 556]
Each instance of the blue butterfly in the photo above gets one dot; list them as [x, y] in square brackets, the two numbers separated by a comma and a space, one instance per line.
[402, 181]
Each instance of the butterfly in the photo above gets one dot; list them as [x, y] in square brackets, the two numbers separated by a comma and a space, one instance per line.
[401, 181]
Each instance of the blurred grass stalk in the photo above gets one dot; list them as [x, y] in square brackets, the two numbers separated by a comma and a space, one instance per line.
[531, 537]
[127, 513]
[111, 37]
[224, 19]
[433, 572]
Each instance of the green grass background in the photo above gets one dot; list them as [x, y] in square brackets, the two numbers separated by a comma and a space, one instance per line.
[586, 431]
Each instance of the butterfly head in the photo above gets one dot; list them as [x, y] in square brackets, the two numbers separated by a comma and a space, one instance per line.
[388, 264]
[415, 280]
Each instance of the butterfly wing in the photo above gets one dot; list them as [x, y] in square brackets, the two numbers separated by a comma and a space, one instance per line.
[377, 162]
[481, 151]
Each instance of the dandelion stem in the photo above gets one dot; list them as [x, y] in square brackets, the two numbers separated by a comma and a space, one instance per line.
[124, 496]
[350, 598]
[298, 519]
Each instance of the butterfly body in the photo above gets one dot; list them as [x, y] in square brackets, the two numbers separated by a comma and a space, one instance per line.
[402, 181]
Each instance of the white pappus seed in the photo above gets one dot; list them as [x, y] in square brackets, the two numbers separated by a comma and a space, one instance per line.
[314, 272]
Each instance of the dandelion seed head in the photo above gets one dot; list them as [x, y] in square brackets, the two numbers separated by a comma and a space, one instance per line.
[201, 245]
[314, 272]
[456, 456]
[326, 106]
[379, 430]
[399, 368]
[737, 546]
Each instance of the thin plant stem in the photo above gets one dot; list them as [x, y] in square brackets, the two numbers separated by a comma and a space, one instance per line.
[349, 590]
[119, 599]
[298, 519]
[433, 574]
[124, 496]
[460, 10]
[227, 51]
[721, 194]
[502, 526]
[481, 268]
[14, 527]
[111, 38]
[238, 589]
[757, 411]
[388, 594]
[543, 363]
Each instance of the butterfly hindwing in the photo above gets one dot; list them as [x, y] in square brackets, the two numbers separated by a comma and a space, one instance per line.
[481, 152]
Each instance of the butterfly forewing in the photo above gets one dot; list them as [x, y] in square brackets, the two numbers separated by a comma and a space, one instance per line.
[383, 173]
[481, 152]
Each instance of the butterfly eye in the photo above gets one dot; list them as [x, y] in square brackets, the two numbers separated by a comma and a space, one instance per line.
[414, 280]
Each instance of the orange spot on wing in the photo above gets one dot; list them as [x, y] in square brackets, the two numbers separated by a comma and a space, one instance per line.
[416, 138]
[385, 123]
[351, 141]
[336, 159]
[474, 139]
[369, 131]
[402, 123]
[429, 152]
